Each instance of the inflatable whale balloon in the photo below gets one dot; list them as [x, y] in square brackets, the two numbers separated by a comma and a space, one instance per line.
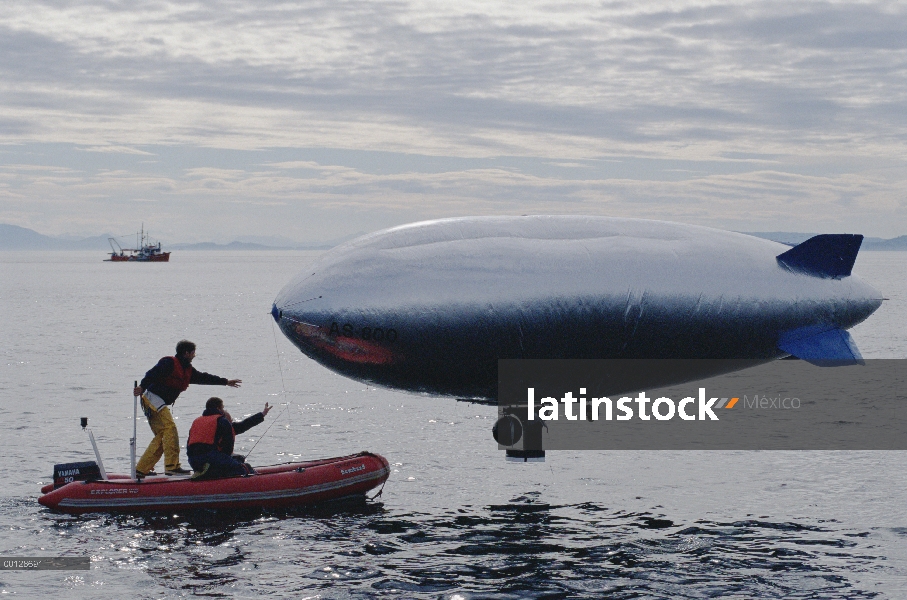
[430, 307]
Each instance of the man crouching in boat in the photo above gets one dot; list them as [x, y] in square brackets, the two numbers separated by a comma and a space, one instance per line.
[211, 437]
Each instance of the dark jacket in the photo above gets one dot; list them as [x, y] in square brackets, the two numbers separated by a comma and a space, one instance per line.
[154, 379]
[223, 437]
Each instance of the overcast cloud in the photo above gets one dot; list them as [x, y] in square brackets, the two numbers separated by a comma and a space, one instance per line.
[314, 120]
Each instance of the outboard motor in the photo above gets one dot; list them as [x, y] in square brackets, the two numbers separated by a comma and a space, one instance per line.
[81, 471]
[77, 471]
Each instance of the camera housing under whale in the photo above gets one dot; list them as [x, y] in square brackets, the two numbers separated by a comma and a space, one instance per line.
[430, 307]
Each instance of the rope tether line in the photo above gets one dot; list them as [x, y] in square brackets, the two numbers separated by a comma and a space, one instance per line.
[280, 366]
[277, 350]
[265, 433]
[283, 385]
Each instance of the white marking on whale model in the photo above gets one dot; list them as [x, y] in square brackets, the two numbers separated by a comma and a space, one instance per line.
[430, 307]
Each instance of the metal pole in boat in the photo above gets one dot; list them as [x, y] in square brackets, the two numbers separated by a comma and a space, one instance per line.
[97, 454]
[135, 412]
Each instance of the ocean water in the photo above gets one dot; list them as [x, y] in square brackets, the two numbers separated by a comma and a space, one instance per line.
[454, 519]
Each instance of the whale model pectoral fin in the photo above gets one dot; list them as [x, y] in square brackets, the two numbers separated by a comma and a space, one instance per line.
[822, 347]
[830, 255]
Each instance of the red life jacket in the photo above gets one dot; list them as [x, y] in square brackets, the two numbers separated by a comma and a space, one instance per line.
[180, 376]
[204, 430]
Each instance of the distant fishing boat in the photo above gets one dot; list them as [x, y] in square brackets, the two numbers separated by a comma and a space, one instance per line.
[145, 251]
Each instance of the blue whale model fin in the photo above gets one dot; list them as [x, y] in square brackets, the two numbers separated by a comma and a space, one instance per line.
[830, 255]
[820, 346]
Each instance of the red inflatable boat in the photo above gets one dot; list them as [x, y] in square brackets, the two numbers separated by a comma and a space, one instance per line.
[291, 484]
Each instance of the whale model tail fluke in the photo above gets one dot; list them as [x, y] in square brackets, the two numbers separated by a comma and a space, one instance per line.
[823, 347]
[829, 255]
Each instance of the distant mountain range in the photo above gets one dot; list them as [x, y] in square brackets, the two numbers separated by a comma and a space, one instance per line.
[13, 237]
[20, 238]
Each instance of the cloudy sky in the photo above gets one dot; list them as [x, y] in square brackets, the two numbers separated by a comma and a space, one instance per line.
[315, 120]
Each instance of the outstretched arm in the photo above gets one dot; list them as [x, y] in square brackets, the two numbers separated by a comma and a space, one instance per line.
[202, 378]
[248, 423]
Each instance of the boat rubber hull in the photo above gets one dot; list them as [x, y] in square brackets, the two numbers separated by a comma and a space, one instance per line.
[278, 486]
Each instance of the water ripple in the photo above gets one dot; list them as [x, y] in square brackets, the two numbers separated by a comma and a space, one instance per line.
[523, 549]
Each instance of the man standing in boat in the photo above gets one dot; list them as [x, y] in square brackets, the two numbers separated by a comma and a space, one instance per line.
[159, 390]
[211, 439]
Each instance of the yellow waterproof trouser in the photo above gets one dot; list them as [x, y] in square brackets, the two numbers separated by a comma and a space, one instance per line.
[166, 440]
